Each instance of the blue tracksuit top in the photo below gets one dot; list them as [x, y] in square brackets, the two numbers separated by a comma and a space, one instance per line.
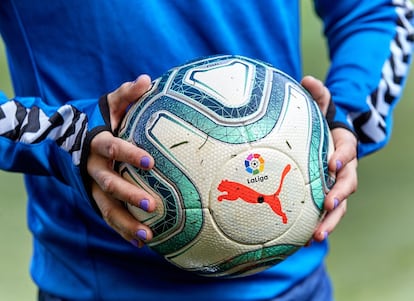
[63, 55]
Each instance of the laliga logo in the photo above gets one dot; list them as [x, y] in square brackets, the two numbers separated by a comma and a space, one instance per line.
[254, 164]
[234, 191]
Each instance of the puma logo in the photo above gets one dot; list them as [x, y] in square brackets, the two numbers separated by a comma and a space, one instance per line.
[235, 191]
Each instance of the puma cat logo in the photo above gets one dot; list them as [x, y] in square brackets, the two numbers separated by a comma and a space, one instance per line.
[234, 191]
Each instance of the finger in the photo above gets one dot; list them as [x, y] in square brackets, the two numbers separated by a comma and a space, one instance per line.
[330, 221]
[345, 185]
[117, 216]
[114, 185]
[125, 95]
[343, 163]
[345, 149]
[319, 92]
[113, 148]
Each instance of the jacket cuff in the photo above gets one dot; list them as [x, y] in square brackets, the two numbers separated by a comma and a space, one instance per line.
[100, 121]
[336, 118]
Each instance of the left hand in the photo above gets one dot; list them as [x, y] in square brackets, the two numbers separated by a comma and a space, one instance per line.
[109, 189]
[343, 164]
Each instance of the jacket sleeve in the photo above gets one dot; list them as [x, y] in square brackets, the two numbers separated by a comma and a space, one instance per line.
[43, 140]
[370, 46]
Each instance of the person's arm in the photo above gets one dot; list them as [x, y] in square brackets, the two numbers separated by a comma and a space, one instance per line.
[39, 139]
[370, 47]
[75, 143]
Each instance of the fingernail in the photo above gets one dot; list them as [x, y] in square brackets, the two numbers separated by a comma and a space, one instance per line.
[325, 235]
[135, 243]
[144, 205]
[336, 203]
[142, 234]
[145, 162]
[338, 165]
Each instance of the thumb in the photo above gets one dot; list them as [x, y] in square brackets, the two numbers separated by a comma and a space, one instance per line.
[319, 92]
[127, 94]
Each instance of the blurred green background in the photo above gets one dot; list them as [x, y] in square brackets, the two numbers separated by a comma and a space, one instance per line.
[370, 257]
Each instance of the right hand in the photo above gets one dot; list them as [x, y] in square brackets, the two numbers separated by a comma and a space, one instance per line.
[343, 164]
[109, 189]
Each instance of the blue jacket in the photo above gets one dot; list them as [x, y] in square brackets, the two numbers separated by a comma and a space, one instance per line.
[64, 54]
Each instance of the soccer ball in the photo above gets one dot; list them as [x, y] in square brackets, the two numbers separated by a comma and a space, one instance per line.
[240, 174]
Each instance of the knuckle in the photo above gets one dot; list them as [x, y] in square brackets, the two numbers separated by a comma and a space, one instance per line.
[112, 150]
[130, 197]
[343, 211]
[355, 188]
[125, 87]
[131, 157]
[107, 215]
[120, 91]
[107, 184]
[123, 90]
[354, 185]
[344, 208]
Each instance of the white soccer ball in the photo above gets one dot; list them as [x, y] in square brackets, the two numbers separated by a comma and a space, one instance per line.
[241, 171]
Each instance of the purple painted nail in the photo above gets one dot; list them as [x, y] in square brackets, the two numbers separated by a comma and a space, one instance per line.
[336, 202]
[325, 235]
[144, 205]
[338, 165]
[135, 243]
[145, 162]
[142, 234]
